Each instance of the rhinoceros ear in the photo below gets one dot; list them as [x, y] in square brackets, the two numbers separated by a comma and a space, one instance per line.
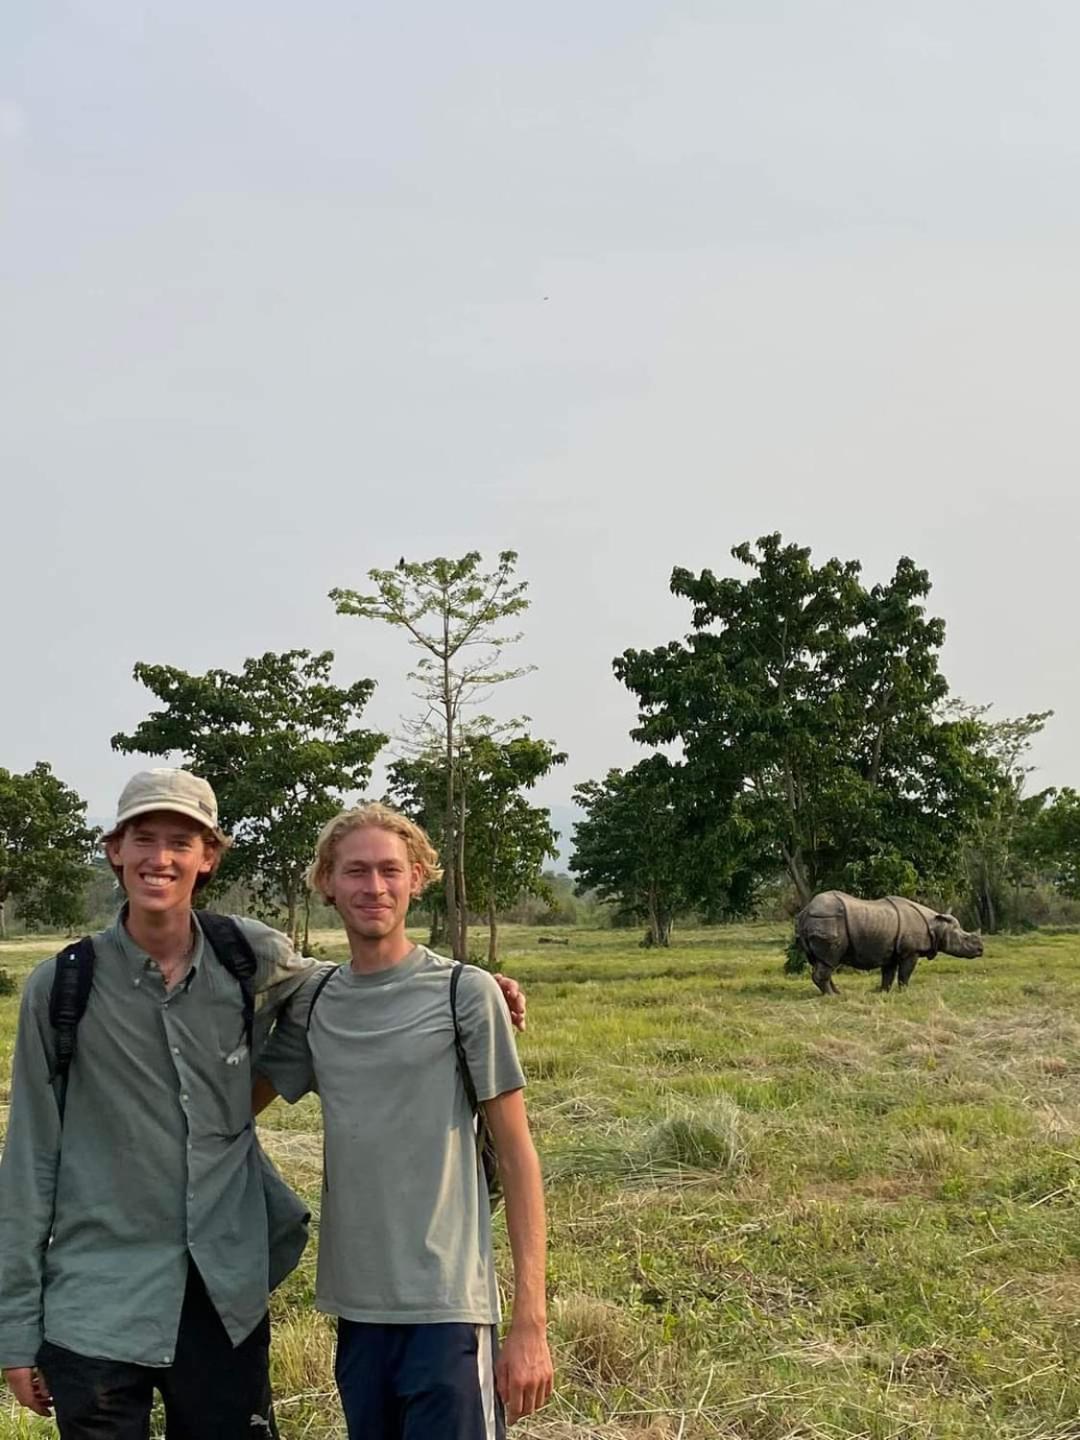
[947, 919]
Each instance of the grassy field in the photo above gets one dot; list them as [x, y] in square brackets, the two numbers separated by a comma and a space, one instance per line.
[774, 1215]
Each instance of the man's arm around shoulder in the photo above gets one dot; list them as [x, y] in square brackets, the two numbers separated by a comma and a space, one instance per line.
[281, 974]
[524, 1371]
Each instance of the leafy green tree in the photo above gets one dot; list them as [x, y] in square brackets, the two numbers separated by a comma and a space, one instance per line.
[282, 748]
[1052, 841]
[453, 613]
[631, 847]
[998, 850]
[508, 839]
[46, 848]
[808, 707]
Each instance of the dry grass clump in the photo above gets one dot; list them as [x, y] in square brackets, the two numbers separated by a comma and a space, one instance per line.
[707, 1138]
[930, 1151]
[596, 1340]
[1054, 1065]
[691, 1144]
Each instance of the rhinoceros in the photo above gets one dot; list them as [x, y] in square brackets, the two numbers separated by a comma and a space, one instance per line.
[887, 935]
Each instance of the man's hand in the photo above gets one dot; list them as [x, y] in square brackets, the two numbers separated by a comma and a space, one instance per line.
[523, 1372]
[515, 1000]
[28, 1386]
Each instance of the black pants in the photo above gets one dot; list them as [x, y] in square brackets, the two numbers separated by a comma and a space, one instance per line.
[212, 1391]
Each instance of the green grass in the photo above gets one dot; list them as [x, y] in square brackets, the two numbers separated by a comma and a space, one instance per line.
[776, 1216]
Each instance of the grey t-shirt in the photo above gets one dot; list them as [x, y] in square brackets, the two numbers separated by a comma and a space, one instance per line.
[405, 1233]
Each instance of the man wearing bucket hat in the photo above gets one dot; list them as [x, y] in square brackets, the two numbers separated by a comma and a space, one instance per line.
[134, 1255]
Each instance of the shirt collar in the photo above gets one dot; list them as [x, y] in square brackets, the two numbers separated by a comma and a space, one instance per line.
[138, 961]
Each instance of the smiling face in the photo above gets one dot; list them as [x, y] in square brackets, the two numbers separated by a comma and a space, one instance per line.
[372, 882]
[160, 858]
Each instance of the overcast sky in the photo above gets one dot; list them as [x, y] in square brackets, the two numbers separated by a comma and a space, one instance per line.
[289, 290]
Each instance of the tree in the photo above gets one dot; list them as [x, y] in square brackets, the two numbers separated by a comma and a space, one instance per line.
[998, 853]
[1052, 840]
[418, 790]
[508, 839]
[46, 848]
[281, 747]
[452, 612]
[631, 846]
[809, 707]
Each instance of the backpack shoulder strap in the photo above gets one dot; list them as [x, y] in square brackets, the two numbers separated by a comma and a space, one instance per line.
[319, 988]
[486, 1154]
[73, 978]
[233, 949]
[459, 1043]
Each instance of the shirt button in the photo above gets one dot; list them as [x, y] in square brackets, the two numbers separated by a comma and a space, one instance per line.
[191, 1194]
[135, 981]
[167, 1359]
[176, 1049]
[184, 1098]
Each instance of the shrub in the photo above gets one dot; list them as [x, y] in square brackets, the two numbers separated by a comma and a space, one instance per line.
[795, 961]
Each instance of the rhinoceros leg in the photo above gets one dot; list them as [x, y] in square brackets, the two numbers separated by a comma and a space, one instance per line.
[907, 968]
[888, 974]
[823, 979]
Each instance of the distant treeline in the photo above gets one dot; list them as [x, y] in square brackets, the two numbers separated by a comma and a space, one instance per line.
[801, 736]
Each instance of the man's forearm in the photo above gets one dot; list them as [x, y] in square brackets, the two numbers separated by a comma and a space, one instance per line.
[519, 1170]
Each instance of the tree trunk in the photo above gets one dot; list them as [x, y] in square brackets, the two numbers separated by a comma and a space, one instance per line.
[984, 904]
[450, 820]
[307, 922]
[793, 863]
[290, 913]
[656, 927]
[437, 932]
[3, 919]
[461, 943]
[493, 927]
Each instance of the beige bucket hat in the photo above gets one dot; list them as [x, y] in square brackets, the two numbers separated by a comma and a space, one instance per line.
[165, 789]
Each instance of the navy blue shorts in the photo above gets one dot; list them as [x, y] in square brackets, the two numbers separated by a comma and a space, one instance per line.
[419, 1382]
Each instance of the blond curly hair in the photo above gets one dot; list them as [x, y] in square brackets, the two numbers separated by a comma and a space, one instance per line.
[420, 849]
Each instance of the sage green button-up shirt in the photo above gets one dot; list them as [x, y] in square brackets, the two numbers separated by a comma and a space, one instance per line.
[155, 1162]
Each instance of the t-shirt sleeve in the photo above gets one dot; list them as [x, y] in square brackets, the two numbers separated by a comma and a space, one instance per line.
[488, 1035]
[285, 1059]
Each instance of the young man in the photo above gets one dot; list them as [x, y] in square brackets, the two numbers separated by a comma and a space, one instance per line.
[134, 1255]
[405, 1255]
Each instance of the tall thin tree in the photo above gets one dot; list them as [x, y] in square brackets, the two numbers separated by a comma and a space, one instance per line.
[453, 612]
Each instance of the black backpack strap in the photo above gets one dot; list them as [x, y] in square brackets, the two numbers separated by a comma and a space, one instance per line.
[73, 978]
[319, 988]
[233, 949]
[459, 1043]
[485, 1143]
